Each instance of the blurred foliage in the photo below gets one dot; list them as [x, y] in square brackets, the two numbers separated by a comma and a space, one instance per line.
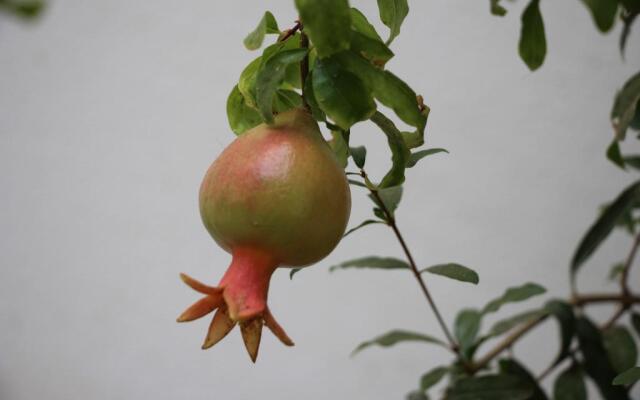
[23, 9]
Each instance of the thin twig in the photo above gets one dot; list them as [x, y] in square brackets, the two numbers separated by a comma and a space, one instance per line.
[290, 32]
[414, 268]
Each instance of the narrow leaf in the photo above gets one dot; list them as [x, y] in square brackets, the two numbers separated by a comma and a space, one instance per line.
[533, 44]
[604, 225]
[365, 223]
[627, 20]
[359, 155]
[399, 151]
[361, 24]
[603, 13]
[372, 262]
[266, 25]
[596, 362]
[241, 117]
[419, 155]
[570, 385]
[513, 295]
[390, 197]
[397, 336]
[371, 49]
[614, 155]
[328, 24]
[505, 325]
[497, 9]
[392, 14]
[490, 387]
[432, 377]
[512, 367]
[466, 328]
[270, 76]
[628, 377]
[563, 313]
[621, 348]
[454, 271]
[624, 106]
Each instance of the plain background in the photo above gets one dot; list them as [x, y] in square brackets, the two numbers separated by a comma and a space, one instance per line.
[112, 110]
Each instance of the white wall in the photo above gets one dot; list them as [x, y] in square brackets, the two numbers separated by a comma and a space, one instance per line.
[110, 112]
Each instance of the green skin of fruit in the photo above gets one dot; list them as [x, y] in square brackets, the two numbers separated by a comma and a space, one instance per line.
[276, 196]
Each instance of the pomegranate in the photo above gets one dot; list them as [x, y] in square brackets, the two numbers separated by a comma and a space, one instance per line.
[276, 197]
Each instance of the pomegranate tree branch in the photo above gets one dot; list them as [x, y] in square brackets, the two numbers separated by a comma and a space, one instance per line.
[414, 268]
[290, 32]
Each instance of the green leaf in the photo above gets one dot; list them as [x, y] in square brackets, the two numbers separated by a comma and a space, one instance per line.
[490, 387]
[270, 76]
[454, 271]
[627, 19]
[419, 155]
[390, 197]
[614, 155]
[392, 14]
[397, 336]
[505, 325]
[635, 322]
[285, 100]
[622, 350]
[432, 377]
[341, 94]
[247, 82]
[466, 328]
[596, 362]
[399, 151]
[359, 155]
[570, 385]
[293, 272]
[371, 49]
[603, 13]
[632, 161]
[310, 97]
[340, 146]
[513, 295]
[599, 231]
[241, 117]
[361, 24]
[497, 9]
[266, 25]
[512, 367]
[365, 223]
[533, 44]
[624, 106]
[563, 313]
[417, 395]
[356, 183]
[372, 262]
[615, 271]
[328, 24]
[628, 377]
[25, 9]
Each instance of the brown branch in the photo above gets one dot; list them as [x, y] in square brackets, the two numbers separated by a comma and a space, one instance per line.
[290, 32]
[414, 268]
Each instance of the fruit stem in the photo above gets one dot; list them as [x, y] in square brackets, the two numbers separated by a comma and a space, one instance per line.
[414, 268]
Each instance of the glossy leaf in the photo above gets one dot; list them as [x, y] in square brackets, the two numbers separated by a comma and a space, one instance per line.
[621, 348]
[371, 49]
[363, 224]
[603, 13]
[419, 155]
[614, 155]
[269, 78]
[390, 197]
[628, 377]
[266, 25]
[247, 82]
[241, 116]
[432, 377]
[361, 24]
[359, 155]
[513, 295]
[599, 231]
[569, 385]
[512, 367]
[533, 43]
[490, 387]
[506, 324]
[624, 106]
[373, 263]
[328, 24]
[466, 327]
[340, 146]
[399, 151]
[397, 336]
[497, 9]
[392, 14]
[454, 271]
[563, 313]
[596, 362]
[341, 94]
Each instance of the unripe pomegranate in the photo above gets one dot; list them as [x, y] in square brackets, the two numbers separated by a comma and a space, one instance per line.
[276, 197]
